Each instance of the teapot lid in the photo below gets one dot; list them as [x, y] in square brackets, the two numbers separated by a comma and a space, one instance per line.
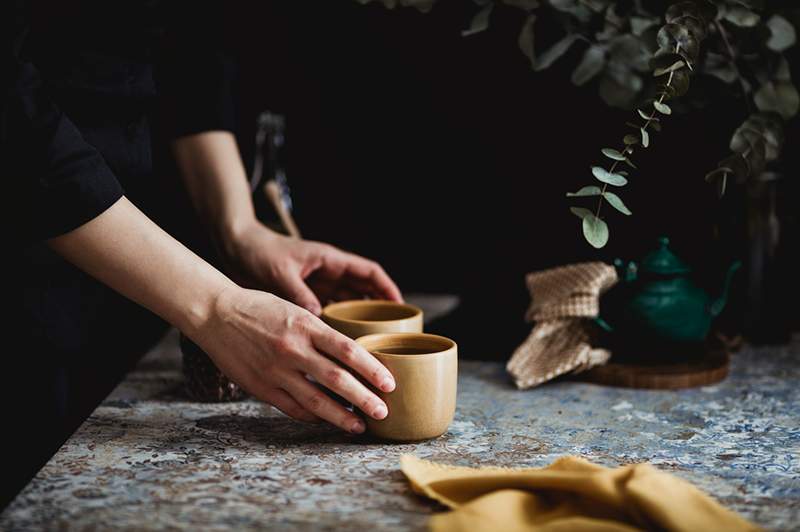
[663, 261]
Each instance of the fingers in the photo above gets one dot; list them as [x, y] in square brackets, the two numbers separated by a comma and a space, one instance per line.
[352, 355]
[368, 270]
[286, 404]
[296, 290]
[365, 275]
[337, 379]
[314, 400]
[328, 290]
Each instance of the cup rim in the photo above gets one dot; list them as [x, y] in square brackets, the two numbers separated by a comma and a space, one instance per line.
[333, 307]
[452, 345]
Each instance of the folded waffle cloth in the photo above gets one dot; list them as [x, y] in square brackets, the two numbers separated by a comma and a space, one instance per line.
[571, 494]
[563, 301]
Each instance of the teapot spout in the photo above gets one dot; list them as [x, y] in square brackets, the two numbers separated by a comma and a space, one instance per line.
[719, 304]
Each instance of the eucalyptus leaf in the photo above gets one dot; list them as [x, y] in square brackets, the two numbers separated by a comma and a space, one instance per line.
[647, 116]
[580, 212]
[677, 65]
[630, 163]
[586, 191]
[593, 62]
[480, 22]
[781, 97]
[662, 108]
[741, 16]
[630, 139]
[640, 24]
[526, 37]
[551, 55]
[645, 138]
[595, 231]
[604, 176]
[616, 202]
[611, 153]
[664, 60]
[782, 34]
[677, 38]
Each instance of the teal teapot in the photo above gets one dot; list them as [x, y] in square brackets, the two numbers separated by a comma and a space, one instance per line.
[657, 305]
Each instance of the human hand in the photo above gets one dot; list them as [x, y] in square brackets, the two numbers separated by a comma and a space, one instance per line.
[268, 346]
[304, 272]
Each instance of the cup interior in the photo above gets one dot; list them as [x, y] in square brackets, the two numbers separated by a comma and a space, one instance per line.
[405, 344]
[368, 311]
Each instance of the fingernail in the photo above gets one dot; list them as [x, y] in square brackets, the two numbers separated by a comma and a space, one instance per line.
[380, 412]
[387, 385]
[357, 427]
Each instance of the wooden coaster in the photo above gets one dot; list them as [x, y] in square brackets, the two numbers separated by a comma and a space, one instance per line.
[708, 368]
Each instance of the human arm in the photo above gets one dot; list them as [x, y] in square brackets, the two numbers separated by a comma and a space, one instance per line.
[261, 342]
[302, 271]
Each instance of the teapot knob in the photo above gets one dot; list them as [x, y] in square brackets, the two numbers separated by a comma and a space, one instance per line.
[664, 241]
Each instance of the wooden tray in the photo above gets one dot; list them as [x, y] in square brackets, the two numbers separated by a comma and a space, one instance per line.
[708, 368]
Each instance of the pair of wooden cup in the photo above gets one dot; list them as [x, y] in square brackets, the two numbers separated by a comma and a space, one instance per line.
[424, 366]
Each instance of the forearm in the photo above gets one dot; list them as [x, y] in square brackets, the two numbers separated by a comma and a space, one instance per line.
[128, 252]
[212, 170]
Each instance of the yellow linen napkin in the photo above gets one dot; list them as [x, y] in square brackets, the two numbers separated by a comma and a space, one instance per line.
[571, 494]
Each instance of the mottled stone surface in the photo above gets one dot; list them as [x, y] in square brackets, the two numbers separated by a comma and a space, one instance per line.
[148, 458]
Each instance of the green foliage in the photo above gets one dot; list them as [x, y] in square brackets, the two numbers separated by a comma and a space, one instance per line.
[648, 51]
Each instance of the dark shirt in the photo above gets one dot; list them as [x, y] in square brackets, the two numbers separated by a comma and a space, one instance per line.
[80, 79]
[85, 88]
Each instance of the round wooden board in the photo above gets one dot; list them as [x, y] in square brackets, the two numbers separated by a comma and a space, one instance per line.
[709, 368]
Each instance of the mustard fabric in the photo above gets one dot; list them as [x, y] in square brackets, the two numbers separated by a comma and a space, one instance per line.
[571, 494]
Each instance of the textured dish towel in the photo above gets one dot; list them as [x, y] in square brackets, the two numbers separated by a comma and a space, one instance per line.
[571, 495]
[563, 300]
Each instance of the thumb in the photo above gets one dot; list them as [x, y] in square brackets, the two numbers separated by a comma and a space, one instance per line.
[298, 292]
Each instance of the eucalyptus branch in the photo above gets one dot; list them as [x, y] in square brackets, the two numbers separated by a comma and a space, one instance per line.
[679, 46]
[732, 57]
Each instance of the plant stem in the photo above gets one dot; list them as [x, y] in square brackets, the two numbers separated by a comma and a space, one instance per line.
[732, 57]
[626, 148]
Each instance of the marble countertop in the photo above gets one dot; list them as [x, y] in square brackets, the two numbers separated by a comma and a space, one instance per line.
[150, 459]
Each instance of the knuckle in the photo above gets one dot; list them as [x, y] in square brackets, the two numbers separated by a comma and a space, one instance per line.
[316, 402]
[282, 268]
[284, 345]
[367, 404]
[302, 322]
[325, 249]
[299, 322]
[335, 377]
[348, 352]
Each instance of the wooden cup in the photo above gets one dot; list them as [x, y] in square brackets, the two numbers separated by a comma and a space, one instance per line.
[361, 317]
[425, 368]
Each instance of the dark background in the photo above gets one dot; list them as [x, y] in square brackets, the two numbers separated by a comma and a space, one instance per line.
[447, 159]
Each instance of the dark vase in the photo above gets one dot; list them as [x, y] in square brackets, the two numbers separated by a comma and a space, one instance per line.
[203, 380]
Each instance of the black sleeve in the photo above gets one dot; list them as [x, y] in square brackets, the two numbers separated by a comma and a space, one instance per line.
[59, 180]
[195, 75]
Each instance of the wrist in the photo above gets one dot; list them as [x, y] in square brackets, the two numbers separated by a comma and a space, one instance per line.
[238, 239]
[205, 306]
